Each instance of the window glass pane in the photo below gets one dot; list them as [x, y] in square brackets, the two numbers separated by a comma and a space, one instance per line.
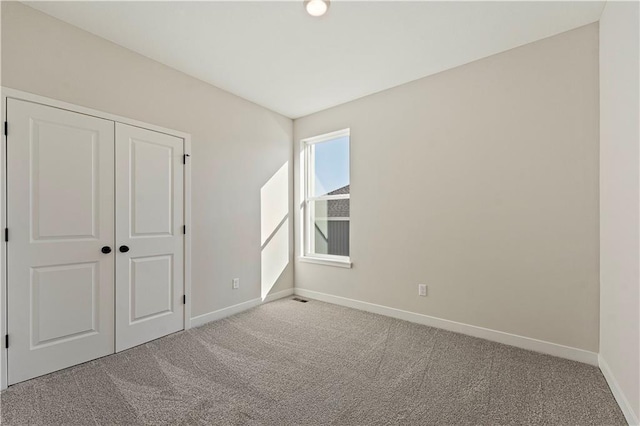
[331, 167]
[330, 221]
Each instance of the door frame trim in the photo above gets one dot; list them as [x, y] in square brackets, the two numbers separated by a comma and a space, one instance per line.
[9, 93]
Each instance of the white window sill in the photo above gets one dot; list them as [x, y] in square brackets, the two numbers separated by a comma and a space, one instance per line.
[327, 262]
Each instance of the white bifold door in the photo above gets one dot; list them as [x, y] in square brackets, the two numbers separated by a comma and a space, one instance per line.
[60, 216]
[95, 243]
[149, 234]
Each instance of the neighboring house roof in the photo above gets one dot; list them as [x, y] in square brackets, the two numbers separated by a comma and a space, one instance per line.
[343, 190]
[338, 208]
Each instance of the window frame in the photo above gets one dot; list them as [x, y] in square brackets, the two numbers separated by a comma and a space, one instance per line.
[308, 180]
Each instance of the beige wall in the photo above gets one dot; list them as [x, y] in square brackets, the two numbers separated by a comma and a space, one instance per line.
[481, 182]
[620, 198]
[237, 146]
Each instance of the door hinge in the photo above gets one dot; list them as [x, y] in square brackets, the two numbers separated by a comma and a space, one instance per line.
[6, 341]
[184, 299]
[184, 229]
[6, 234]
[184, 158]
[6, 128]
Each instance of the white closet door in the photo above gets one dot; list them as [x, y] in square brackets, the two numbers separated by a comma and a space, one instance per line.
[149, 236]
[60, 183]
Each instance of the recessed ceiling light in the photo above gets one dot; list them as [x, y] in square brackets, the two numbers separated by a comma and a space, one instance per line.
[316, 7]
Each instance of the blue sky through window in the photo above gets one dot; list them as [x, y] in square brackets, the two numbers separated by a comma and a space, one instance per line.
[331, 165]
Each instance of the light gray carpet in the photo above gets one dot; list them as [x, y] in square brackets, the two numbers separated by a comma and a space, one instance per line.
[292, 363]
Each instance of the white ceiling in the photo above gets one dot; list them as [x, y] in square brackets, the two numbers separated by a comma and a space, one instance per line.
[274, 54]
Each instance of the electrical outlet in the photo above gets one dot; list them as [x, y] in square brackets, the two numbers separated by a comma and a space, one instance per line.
[236, 283]
[422, 289]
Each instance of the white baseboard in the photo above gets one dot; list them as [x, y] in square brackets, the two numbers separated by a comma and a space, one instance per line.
[235, 309]
[528, 343]
[278, 295]
[621, 399]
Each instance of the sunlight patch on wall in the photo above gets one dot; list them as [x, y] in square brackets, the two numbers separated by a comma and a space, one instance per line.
[275, 257]
[274, 228]
[274, 203]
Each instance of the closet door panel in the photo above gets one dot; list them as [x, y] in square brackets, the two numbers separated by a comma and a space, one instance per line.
[149, 221]
[60, 193]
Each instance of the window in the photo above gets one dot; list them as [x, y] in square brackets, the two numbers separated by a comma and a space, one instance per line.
[326, 198]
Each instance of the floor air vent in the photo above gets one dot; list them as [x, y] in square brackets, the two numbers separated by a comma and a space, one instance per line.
[297, 299]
